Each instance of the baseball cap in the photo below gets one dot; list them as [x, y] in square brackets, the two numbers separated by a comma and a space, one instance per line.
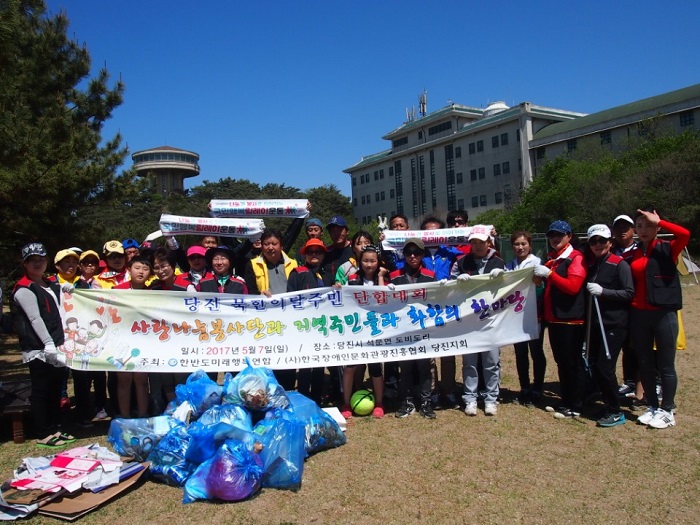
[89, 253]
[314, 222]
[337, 220]
[479, 232]
[625, 218]
[196, 250]
[130, 243]
[600, 230]
[313, 242]
[559, 227]
[33, 248]
[113, 247]
[63, 254]
[416, 241]
[223, 249]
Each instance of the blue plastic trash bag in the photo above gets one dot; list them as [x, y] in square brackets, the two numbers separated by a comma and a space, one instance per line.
[168, 463]
[255, 389]
[206, 439]
[233, 474]
[200, 391]
[322, 431]
[283, 450]
[234, 415]
[137, 437]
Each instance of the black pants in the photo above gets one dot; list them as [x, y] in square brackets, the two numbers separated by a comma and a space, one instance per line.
[523, 352]
[603, 366]
[310, 383]
[82, 381]
[660, 326]
[46, 396]
[566, 341]
[415, 379]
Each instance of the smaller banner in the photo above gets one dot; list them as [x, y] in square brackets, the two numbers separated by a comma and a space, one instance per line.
[395, 239]
[291, 208]
[177, 225]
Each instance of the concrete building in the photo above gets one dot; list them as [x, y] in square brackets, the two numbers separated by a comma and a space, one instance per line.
[170, 167]
[462, 157]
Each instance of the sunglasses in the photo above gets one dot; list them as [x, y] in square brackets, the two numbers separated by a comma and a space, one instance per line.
[597, 240]
[417, 253]
[315, 252]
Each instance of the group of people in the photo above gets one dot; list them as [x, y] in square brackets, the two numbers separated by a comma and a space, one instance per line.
[609, 294]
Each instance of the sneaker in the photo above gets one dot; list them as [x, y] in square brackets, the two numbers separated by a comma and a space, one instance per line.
[85, 423]
[638, 404]
[102, 414]
[470, 409]
[646, 416]
[611, 420]
[662, 419]
[625, 389]
[566, 413]
[346, 411]
[426, 410]
[406, 409]
[490, 409]
[378, 412]
[449, 401]
[65, 403]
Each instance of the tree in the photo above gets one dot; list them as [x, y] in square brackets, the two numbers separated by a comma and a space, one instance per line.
[54, 164]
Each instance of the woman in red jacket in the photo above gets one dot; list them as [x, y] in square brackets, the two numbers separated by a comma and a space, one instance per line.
[564, 275]
[654, 313]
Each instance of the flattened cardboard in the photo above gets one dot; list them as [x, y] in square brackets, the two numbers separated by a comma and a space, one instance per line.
[73, 506]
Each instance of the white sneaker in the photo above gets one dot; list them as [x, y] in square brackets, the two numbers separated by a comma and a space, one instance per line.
[490, 409]
[662, 419]
[646, 416]
[102, 414]
[470, 409]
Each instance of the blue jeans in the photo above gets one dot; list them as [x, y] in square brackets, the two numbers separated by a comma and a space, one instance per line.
[491, 366]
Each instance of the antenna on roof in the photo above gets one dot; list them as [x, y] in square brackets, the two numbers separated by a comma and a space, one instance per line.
[423, 103]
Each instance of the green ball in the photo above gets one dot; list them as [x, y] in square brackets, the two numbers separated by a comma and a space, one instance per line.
[362, 402]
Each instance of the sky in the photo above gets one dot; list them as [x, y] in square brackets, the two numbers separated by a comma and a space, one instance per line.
[294, 92]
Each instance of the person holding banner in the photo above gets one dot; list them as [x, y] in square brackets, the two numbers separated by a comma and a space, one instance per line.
[564, 309]
[654, 313]
[358, 243]
[482, 260]
[393, 258]
[611, 289]
[369, 274]
[530, 392]
[306, 277]
[415, 373]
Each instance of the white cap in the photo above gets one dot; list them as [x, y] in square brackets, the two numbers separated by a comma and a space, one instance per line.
[625, 218]
[600, 230]
[479, 232]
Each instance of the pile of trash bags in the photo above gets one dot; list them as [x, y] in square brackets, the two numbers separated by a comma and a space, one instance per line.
[226, 442]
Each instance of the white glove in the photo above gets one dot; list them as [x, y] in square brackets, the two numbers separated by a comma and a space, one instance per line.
[67, 287]
[463, 277]
[542, 271]
[172, 243]
[496, 272]
[442, 282]
[391, 286]
[594, 289]
[153, 236]
[50, 349]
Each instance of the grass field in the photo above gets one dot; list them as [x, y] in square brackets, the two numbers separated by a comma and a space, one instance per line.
[521, 466]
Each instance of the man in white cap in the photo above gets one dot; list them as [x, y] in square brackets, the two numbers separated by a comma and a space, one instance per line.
[623, 235]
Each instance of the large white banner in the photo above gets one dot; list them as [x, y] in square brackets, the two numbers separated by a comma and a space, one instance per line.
[178, 225]
[395, 239]
[182, 332]
[294, 208]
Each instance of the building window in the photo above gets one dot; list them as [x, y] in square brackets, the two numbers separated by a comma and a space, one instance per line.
[354, 181]
[364, 200]
[459, 178]
[376, 175]
[540, 153]
[517, 135]
[383, 195]
[479, 145]
[381, 174]
[482, 200]
[482, 173]
[392, 194]
[605, 137]
[475, 202]
[376, 197]
[506, 168]
[354, 202]
[570, 145]
[472, 174]
[496, 170]
[687, 118]
[504, 139]
[420, 135]
[369, 199]
[460, 204]
[458, 152]
[400, 142]
[439, 128]
[472, 148]
[498, 197]
[494, 141]
[391, 171]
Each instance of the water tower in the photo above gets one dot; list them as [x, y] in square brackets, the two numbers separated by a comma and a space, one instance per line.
[170, 167]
